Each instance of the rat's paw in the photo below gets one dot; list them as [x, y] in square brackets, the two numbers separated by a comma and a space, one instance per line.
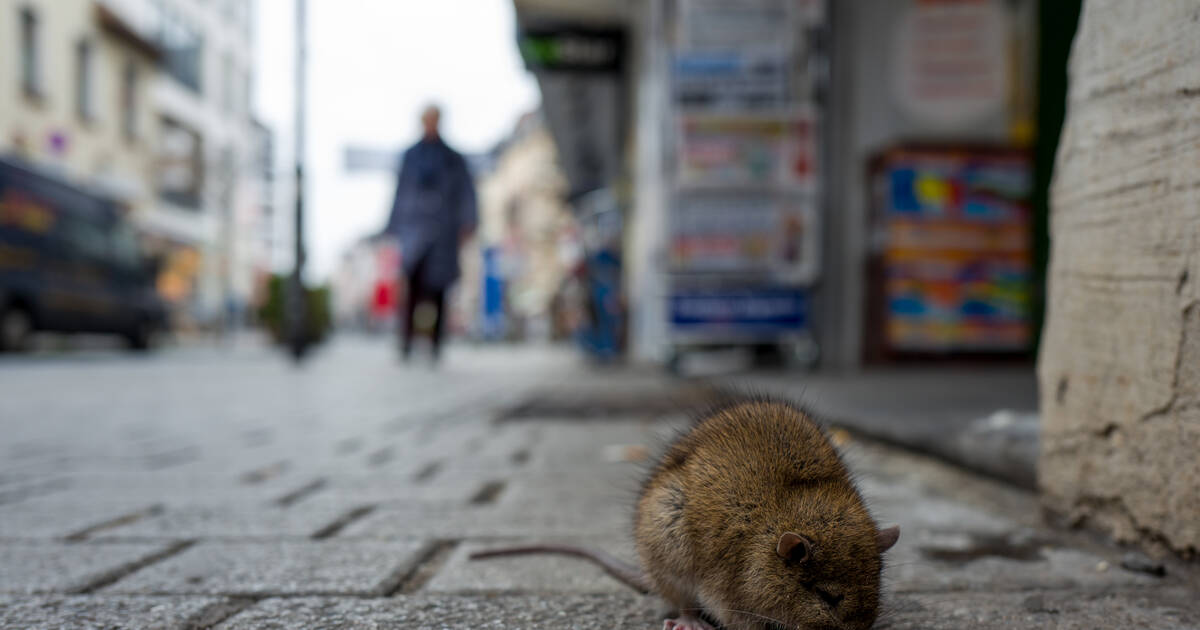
[686, 623]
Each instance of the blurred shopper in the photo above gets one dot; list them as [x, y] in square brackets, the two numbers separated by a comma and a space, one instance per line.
[433, 213]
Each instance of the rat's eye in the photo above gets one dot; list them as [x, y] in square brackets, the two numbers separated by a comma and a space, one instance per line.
[829, 598]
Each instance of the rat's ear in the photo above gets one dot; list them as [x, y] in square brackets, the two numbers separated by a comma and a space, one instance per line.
[886, 537]
[794, 547]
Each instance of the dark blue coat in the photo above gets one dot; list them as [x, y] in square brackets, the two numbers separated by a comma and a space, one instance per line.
[433, 205]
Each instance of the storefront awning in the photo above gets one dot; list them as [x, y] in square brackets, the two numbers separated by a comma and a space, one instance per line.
[578, 52]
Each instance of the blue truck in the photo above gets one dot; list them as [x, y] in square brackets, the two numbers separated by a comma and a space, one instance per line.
[70, 263]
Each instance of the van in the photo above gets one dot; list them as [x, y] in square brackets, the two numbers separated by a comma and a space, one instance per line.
[70, 263]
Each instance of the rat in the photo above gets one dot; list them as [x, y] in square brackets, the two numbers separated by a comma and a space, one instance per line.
[750, 519]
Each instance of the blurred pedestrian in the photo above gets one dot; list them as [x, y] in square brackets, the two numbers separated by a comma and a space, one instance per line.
[433, 214]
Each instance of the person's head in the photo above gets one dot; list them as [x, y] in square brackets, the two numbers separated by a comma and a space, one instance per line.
[429, 120]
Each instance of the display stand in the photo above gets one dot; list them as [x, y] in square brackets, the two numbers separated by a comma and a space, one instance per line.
[744, 205]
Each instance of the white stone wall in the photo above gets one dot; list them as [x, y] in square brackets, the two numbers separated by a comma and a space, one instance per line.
[1120, 359]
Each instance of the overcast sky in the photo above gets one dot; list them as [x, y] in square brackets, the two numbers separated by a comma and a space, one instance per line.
[373, 64]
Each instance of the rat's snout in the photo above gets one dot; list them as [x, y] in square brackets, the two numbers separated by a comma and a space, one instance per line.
[857, 611]
[831, 595]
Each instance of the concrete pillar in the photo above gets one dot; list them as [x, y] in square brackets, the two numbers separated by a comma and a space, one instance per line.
[645, 251]
[1120, 357]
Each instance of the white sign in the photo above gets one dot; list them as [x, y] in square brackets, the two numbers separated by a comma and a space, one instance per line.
[746, 233]
[951, 60]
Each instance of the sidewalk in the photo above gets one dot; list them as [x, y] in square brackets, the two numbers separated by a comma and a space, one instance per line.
[232, 491]
[983, 418]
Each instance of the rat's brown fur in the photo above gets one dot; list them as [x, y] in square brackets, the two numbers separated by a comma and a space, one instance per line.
[712, 513]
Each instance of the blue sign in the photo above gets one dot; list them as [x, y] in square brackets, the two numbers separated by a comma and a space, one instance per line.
[757, 311]
[493, 295]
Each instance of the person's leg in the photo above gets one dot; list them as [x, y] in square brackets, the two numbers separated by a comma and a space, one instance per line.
[439, 300]
[413, 295]
[407, 309]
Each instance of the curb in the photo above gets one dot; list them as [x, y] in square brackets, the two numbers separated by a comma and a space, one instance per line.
[1003, 445]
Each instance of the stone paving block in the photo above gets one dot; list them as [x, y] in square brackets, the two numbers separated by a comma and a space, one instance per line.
[110, 613]
[52, 517]
[568, 444]
[460, 437]
[488, 521]
[277, 568]
[428, 520]
[463, 465]
[901, 479]
[502, 440]
[1055, 610]
[51, 566]
[20, 488]
[170, 489]
[418, 612]
[575, 519]
[529, 572]
[385, 490]
[613, 487]
[909, 570]
[938, 515]
[230, 521]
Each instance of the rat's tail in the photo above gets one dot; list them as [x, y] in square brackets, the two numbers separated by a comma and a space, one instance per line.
[624, 572]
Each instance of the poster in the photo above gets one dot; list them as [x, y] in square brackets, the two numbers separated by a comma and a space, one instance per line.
[728, 24]
[747, 151]
[732, 80]
[745, 233]
[957, 260]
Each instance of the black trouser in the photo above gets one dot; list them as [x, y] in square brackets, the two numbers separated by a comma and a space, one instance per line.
[418, 292]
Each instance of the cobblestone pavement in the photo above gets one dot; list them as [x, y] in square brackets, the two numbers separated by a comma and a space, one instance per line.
[200, 488]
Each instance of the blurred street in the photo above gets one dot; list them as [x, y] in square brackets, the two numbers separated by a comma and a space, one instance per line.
[225, 488]
[303, 302]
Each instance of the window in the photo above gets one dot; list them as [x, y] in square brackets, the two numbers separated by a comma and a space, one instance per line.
[180, 165]
[126, 251]
[86, 238]
[183, 49]
[129, 109]
[31, 70]
[84, 101]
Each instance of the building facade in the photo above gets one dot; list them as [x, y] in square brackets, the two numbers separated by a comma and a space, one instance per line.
[77, 96]
[148, 101]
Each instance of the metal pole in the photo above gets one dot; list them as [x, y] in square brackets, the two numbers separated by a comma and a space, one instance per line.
[297, 302]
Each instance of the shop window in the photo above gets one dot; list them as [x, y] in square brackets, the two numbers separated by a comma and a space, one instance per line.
[31, 61]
